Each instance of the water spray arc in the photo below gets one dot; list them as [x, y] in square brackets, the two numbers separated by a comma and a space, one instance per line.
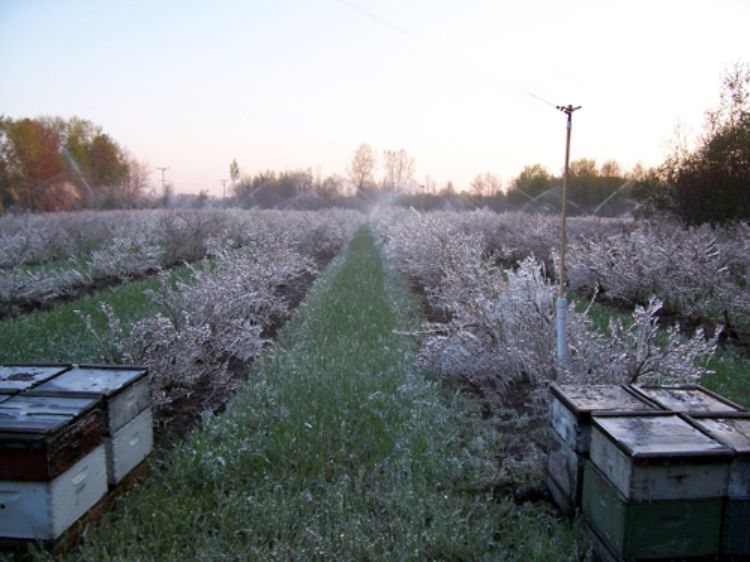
[74, 165]
[562, 303]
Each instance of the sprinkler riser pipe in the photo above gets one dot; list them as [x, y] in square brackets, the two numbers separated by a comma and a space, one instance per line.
[562, 318]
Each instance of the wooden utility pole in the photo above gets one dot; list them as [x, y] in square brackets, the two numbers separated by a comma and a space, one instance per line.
[562, 303]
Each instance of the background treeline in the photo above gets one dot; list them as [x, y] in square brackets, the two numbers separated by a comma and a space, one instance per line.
[53, 164]
[49, 163]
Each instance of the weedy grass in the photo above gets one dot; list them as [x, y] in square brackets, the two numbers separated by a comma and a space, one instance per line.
[60, 335]
[335, 448]
[731, 376]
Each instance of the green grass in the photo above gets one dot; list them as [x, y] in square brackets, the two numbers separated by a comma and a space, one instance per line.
[335, 448]
[60, 334]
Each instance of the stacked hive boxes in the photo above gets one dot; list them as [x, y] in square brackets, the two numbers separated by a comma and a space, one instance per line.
[570, 433]
[61, 443]
[125, 397]
[669, 483]
[654, 486]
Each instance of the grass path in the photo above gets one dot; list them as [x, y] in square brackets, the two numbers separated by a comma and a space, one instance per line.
[336, 448]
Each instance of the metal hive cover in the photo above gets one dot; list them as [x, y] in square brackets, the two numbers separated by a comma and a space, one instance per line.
[600, 397]
[688, 399]
[41, 414]
[15, 378]
[103, 381]
[658, 436]
[733, 432]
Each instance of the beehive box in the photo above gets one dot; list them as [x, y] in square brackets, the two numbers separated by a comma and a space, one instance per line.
[129, 446]
[654, 486]
[15, 378]
[124, 390]
[661, 456]
[52, 464]
[128, 432]
[734, 432]
[44, 510]
[692, 399]
[42, 437]
[660, 530]
[571, 408]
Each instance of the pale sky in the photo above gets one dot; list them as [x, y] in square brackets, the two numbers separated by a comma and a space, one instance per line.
[288, 84]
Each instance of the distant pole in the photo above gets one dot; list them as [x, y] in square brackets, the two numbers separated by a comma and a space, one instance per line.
[163, 183]
[224, 188]
[562, 303]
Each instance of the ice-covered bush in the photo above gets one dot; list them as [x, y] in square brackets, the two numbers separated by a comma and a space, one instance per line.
[209, 323]
[501, 330]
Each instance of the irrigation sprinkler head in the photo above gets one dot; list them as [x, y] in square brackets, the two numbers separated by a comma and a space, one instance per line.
[568, 109]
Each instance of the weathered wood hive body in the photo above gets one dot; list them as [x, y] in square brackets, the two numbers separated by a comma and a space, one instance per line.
[66, 433]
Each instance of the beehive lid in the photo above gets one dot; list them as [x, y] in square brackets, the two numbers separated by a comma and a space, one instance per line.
[92, 380]
[667, 435]
[16, 378]
[583, 400]
[688, 399]
[732, 431]
[41, 415]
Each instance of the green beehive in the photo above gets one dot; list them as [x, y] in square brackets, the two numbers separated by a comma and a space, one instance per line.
[655, 486]
[667, 529]
[734, 432]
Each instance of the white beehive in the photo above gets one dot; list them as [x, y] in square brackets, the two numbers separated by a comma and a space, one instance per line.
[129, 446]
[44, 510]
[124, 390]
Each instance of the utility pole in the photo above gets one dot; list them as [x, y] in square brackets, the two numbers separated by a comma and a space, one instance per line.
[562, 303]
[224, 188]
[163, 183]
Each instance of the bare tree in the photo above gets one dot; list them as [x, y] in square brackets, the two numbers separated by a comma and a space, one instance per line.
[399, 170]
[136, 181]
[486, 184]
[362, 167]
